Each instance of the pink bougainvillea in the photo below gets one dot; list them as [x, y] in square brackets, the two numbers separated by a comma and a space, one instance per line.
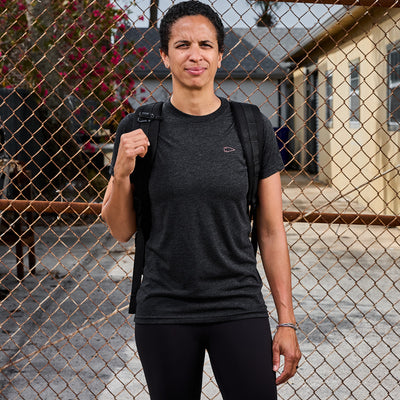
[89, 147]
[91, 58]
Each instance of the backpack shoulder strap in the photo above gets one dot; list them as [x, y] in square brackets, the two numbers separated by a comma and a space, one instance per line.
[249, 123]
[148, 118]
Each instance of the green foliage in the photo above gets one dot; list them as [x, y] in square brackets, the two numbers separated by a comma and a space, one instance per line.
[72, 49]
[74, 55]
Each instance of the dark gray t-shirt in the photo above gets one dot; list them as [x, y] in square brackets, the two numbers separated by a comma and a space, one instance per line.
[200, 265]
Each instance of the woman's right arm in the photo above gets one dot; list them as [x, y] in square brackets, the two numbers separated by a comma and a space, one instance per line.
[117, 209]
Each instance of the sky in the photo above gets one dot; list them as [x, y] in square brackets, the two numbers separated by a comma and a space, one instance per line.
[240, 14]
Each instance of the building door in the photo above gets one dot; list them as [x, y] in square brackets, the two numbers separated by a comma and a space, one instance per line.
[310, 164]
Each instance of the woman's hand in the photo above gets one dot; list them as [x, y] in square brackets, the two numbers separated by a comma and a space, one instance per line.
[131, 145]
[285, 344]
[117, 209]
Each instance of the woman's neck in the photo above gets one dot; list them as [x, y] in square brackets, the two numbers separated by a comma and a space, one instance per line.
[195, 103]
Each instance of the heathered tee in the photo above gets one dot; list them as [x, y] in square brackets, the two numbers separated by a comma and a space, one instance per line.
[200, 265]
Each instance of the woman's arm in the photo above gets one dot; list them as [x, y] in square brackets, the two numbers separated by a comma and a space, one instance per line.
[117, 209]
[275, 257]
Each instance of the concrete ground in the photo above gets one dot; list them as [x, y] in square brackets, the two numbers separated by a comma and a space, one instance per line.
[65, 332]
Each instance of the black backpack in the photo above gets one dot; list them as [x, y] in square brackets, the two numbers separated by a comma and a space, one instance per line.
[249, 123]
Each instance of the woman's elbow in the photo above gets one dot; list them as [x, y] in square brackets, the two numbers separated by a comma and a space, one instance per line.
[121, 233]
[118, 231]
[121, 236]
[267, 233]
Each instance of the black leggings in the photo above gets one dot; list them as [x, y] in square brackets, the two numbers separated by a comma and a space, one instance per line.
[172, 357]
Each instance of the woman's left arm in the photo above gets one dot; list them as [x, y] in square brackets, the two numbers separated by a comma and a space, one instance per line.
[275, 257]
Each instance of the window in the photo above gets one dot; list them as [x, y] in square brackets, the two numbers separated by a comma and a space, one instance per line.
[394, 88]
[354, 93]
[329, 99]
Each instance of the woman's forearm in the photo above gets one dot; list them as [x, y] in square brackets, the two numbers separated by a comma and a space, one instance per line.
[273, 246]
[275, 258]
[117, 210]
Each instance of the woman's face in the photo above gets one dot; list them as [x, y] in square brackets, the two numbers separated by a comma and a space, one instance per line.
[193, 56]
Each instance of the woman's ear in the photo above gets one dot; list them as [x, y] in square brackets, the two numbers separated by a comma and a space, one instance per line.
[165, 59]
[219, 59]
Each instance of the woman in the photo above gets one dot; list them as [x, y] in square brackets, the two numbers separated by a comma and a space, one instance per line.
[201, 289]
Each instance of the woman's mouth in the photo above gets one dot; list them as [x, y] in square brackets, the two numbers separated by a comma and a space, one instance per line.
[195, 70]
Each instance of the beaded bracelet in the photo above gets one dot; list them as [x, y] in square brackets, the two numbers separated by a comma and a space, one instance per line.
[287, 325]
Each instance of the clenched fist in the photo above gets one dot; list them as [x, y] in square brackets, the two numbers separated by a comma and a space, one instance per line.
[131, 145]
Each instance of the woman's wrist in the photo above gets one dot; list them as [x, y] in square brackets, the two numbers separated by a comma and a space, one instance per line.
[287, 325]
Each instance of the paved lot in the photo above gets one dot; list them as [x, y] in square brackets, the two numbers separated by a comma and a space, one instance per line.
[65, 333]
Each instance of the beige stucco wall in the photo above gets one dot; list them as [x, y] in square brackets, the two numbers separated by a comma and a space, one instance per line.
[352, 154]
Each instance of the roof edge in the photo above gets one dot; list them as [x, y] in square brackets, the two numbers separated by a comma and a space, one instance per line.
[336, 24]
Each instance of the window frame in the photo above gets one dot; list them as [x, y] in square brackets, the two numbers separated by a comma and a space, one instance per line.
[329, 98]
[392, 49]
[354, 94]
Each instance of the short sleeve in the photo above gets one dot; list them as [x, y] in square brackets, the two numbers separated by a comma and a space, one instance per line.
[126, 125]
[270, 160]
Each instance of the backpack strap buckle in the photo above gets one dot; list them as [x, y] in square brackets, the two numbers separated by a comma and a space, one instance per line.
[145, 116]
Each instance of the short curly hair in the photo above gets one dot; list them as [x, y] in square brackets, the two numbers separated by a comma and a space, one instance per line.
[189, 8]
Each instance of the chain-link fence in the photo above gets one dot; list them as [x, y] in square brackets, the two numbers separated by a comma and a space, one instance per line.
[328, 76]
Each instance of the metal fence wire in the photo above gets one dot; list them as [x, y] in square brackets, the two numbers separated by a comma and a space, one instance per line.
[328, 76]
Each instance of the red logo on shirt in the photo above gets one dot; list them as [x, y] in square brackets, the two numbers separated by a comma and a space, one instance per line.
[229, 149]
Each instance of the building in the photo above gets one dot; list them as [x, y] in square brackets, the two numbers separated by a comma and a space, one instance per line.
[345, 97]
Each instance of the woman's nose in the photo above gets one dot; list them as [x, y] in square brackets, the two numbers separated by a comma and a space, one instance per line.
[196, 54]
